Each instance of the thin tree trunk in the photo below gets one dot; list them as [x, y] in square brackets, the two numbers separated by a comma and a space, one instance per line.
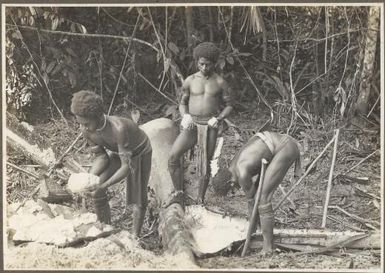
[211, 25]
[189, 26]
[369, 59]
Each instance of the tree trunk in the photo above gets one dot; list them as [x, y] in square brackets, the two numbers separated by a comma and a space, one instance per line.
[189, 26]
[369, 59]
[211, 24]
[176, 237]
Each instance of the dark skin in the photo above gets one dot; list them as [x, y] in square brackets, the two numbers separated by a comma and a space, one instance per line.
[119, 135]
[245, 169]
[122, 136]
[202, 96]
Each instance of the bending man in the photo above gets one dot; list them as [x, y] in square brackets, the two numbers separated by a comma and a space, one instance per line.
[122, 151]
[281, 151]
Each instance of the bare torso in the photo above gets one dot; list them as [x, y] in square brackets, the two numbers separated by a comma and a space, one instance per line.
[118, 131]
[205, 94]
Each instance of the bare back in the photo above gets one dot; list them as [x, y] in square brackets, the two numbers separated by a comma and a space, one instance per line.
[119, 133]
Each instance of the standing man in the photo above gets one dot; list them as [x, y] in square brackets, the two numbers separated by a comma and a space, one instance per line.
[281, 151]
[122, 151]
[203, 95]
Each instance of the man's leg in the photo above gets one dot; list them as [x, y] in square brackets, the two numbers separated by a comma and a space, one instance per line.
[275, 173]
[139, 210]
[101, 205]
[204, 181]
[185, 140]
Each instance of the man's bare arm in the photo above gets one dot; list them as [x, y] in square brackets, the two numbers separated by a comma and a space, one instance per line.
[184, 100]
[228, 98]
[125, 156]
[101, 160]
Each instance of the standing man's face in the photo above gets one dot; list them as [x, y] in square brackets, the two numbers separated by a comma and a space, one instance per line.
[205, 66]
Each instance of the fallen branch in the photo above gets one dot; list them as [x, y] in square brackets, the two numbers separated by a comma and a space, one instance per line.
[367, 194]
[359, 163]
[284, 193]
[330, 179]
[304, 175]
[22, 170]
[51, 169]
[355, 217]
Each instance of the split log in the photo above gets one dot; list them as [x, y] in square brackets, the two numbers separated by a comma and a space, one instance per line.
[176, 236]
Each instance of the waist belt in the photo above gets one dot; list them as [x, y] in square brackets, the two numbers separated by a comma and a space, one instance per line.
[267, 141]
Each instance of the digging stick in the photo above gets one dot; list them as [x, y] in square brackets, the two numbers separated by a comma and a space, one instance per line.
[330, 179]
[304, 175]
[253, 217]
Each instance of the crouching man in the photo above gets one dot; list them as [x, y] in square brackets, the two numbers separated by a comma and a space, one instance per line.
[122, 151]
[281, 151]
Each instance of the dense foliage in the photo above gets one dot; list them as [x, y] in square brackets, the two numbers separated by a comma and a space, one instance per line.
[306, 61]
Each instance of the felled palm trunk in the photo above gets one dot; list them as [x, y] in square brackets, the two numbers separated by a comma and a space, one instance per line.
[176, 237]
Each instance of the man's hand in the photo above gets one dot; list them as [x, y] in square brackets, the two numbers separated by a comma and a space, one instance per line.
[187, 121]
[213, 122]
[95, 190]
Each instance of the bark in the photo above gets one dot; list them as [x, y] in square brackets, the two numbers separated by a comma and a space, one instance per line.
[369, 60]
[176, 237]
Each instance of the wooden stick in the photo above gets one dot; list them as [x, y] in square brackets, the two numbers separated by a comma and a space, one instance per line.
[304, 175]
[284, 193]
[64, 154]
[22, 170]
[355, 217]
[255, 208]
[359, 163]
[330, 179]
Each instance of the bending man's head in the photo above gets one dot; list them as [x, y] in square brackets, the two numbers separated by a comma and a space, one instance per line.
[87, 104]
[88, 109]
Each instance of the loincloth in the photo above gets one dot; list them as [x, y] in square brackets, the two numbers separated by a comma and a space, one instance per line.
[201, 148]
[271, 142]
[136, 188]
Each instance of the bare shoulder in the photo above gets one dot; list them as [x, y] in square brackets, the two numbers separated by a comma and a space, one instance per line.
[122, 125]
[190, 78]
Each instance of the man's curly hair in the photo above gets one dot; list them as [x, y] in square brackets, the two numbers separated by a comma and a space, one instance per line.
[87, 104]
[206, 50]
